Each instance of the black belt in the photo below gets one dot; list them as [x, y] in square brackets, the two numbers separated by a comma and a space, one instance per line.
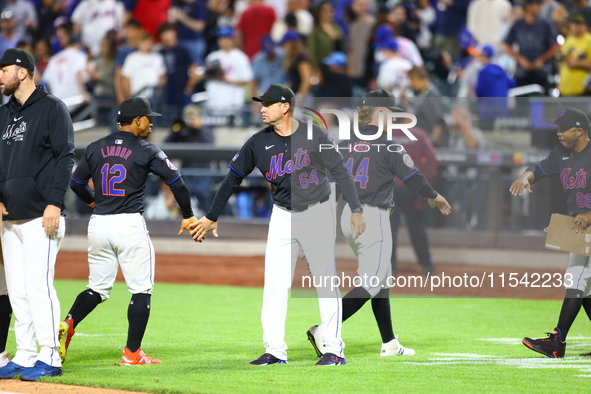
[303, 208]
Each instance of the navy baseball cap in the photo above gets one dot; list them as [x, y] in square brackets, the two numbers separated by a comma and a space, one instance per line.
[225, 32]
[19, 57]
[290, 36]
[390, 44]
[267, 44]
[487, 51]
[136, 106]
[572, 117]
[276, 93]
[382, 33]
[381, 98]
[338, 59]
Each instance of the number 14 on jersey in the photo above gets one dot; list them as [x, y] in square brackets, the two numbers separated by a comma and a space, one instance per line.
[362, 173]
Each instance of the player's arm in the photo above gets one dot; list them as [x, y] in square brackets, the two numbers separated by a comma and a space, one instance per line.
[543, 169]
[402, 165]
[334, 162]
[80, 177]
[62, 145]
[183, 198]
[524, 181]
[161, 166]
[209, 222]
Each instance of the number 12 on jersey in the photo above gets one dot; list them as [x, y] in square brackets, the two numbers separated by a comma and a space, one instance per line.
[111, 175]
[362, 173]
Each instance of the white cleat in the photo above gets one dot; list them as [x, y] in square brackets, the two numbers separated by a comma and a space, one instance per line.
[394, 348]
[4, 359]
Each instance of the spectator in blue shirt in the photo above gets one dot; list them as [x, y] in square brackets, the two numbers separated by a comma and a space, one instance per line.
[492, 88]
[180, 73]
[532, 42]
[191, 17]
[449, 23]
[267, 66]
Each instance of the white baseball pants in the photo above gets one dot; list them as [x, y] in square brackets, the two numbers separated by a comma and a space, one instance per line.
[120, 240]
[29, 263]
[373, 248]
[312, 231]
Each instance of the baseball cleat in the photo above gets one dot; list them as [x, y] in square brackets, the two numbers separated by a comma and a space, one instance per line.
[137, 358]
[330, 359]
[39, 370]
[65, 334]
[552, 346]
[11, 370]
[315, 337]
[267, 359]
[4, 359]
[585, 354]
[394, 348]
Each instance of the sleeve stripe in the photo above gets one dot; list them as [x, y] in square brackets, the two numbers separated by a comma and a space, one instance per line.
[408, 176]
[235, 170]
[339, 163]
[541, 169]
[174, 180]
[78, 182]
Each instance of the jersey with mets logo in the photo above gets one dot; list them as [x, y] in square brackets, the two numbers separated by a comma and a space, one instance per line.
[573, 169]
[374, 165]
[119, 165]
[295, 166]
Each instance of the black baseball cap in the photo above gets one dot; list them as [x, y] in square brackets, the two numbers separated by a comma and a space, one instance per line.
[18, 56]
[572, 117]
[136, 106]
[578, 18]
[277, 93]
[381, 98]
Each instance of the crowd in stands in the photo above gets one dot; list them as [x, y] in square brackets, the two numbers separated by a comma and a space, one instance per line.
[216, 54]
[167, 50]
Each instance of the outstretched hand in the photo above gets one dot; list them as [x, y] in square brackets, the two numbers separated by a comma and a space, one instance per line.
[441, 203]
[201, 227]
[185, 224]
[519, 185]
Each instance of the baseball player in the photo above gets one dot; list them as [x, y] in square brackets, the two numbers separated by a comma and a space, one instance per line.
[36, 159]
[374, 171]
[119, 165]
[571, 159]
[302, 217]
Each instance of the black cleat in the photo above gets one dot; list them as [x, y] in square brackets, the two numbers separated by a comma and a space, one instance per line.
[267, 359]
[551, 347]
[330, 359]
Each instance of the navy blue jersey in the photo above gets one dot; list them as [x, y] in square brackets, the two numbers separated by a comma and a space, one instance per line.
[574, 169]
[374, 165]
[294, 165]
[119, 165]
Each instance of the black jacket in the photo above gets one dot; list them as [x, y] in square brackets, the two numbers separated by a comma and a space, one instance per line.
[36, 154]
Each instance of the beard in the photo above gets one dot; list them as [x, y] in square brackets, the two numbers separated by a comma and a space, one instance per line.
[11, 86]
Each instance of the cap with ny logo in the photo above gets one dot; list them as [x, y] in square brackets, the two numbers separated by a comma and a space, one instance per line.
[572, 117]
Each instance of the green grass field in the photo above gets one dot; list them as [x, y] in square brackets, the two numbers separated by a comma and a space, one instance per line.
[207, 335]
